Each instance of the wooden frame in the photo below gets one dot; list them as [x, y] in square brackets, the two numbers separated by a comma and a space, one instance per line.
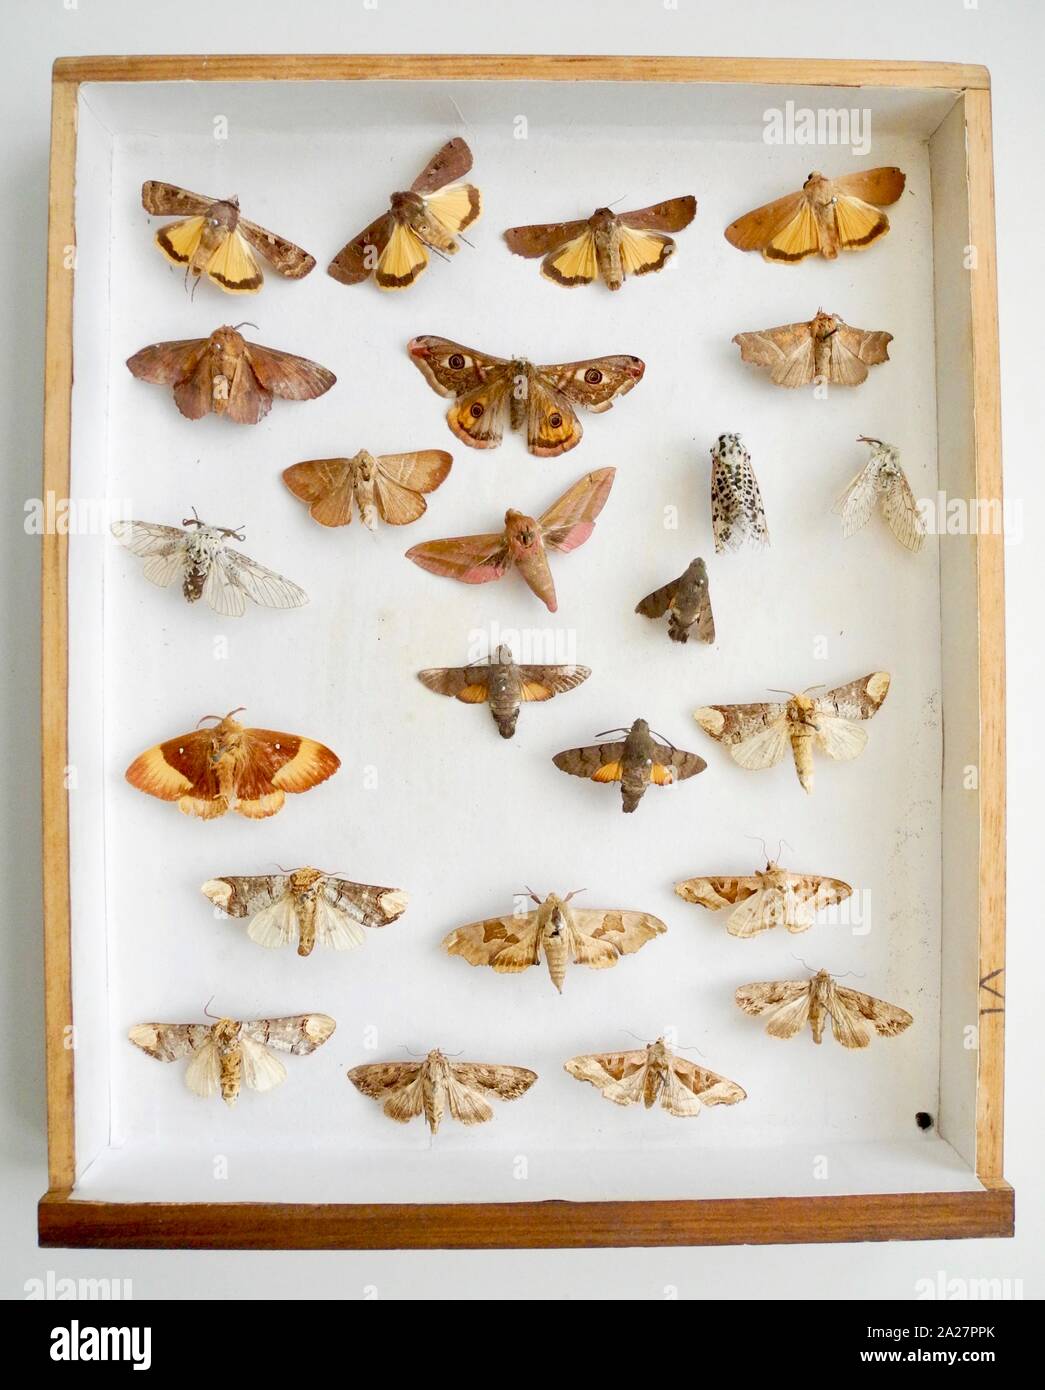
[66, 1221]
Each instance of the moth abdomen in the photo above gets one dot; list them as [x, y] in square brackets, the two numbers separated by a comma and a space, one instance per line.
[195, 579]
[678, 629]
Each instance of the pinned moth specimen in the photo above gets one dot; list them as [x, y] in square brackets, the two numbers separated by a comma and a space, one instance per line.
[524, 542]
[608, 244]
[635, 762]
[825, 216]
[389, 486]
[230, 768]
[229, 376]
[503, 685]
[882, 481]
[229, 1054]
[212, 239]
[686, 601]
[593, 936]
[306, 907]
[492, 392]
[435, 210]
[759, 735]
[771, 897]
[206, 566]
[437, 1084]
[655, 1073]
[791, 1004]
[737, 514]
[824, 350]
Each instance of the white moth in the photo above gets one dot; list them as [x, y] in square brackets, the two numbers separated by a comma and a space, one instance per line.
[737, 515]
[882, 481]
[206, 566]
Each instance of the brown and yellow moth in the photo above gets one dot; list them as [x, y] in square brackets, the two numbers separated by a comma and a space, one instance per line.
[771, 897]
[791, 1004]
[492, 392]
[824, 350]
[306, 907]
[206, 566]
[229, 376]
[389, 486]
[687, 602]
[558, 933]
[738, 517]
[655, 1073]
[437, 1084]
[635, 762]
[882, 481]
[524, 542]
[759, 735]
[212, 239]
[613, 245]
[825, 216]
[503, 685]
[230, 768]
[428, 217]
[228, 1054]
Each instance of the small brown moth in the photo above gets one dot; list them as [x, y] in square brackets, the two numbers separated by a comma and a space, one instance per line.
[230, 768]
[825, 216]
[759, 735]
[305, 907]
[228, 1054]
[437, 1084]
[206, 566]
[738, 517]
[635, 762]
[809, 354]
[686, 601]
[492, 392]
[791, 1004]
[503, 685]
[524, 542]
[593, 936]
[389, 486]
[229, 376]
[212, 239]
[655, 1073]
[771, 897]
[608, 244]
[882, 481]
[436, 209]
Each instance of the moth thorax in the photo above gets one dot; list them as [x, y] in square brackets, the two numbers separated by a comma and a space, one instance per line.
[656, 1066]
[225, 1033]
[824, 324]
[224, 214]
[406, 206]
[301, 880]
[522, 530]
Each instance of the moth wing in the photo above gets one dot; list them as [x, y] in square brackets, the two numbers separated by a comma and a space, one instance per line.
[289, 377]
[167, 364]
[179, 241]
[455, 207]
[672, 215]
[673, 765]
[168, 200]
[594, 384]
[177, 768]
[432, 357]
[785, 1001]
[543, 682]
[380, 1079]
[882, 186]
[469, 559]
[758, 913]
[465, 1102]
[570, 520]
[326, 485]
[233, 267]
[641, 252]
[203, 1074]
[859, 699]
[285, 761]
[620, 1076]
[839, 738]
[402, 258]
[283, 256]
[600, 762]
[367, 903]
[261, 1069]
[166, 1042]
[450, 163]
[244, 894]
[398, 505]
[299, 1034]
[164, 549]
[277, 925]
[508, 944]
[262, 585]
[335, 928]
[600, 937]
[853, 350]
[358, 258]
[495, 1079]
[796, 239]
[552, 427]
[857, 502]
[756, 229]
[850, 1005]
[806, 894]
[470, 684]
[689, 1087]
[858, 223]
[421, 471]
[478, 417]
[757, 735]
[901, 512]
[542, 237]
[705, 615]
[717, 893]
[655, 605]
[573, 263]
[787, 351]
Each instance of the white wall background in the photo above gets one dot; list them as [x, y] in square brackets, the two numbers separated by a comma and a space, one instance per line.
[1007, 37]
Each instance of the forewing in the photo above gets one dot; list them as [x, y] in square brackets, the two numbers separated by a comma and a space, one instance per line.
[381, 1079]
[242, 895]
[787, 351]
[283, 256]
[447, 165]
[620, 1076]
[672, 215]
[509, 944]
[469, 559]
[857, 502]
[600, 762]
[326, 485]
[298, 1033]
[690, 1087]
[542, 682]
[901, 511]
[883, 185]
[757, 229]
[168, 200]
[357, 260]
[421, 471]
[260, 584]
[495, 1079]
[570, 520]
[166, 364]
[166, 1042]
[847, 1006]
[599, 937]
[435, 358]
[289, 377]
[470, 684]
[287, 761]
[860, 699]
[673, 765]
[542, 237]
[367, 903]
[717, 893]
[594, 384]
[655, 605]
[757, 735]
[785, 1001]
[176, 768]
[164, 549]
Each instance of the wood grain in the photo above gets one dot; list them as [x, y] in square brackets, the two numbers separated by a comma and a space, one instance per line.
[420, 67]
[54, 637]
[524, 1225]
[990, 581]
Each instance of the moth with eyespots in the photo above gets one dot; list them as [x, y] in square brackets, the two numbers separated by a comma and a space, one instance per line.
[490, 393]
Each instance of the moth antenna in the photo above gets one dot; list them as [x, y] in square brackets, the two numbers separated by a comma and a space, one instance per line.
[246, 322]
[773, 691]
[762, 842]
[612, 731]
[460, 113]
[643, 1041]
[813, 687]
[866, 439]
[688, 1047]
[193, 520]
[206, 1008]
[665, 740]
[238, 710]
[215, 717]
[412, 1052]
[617, 200]
[573, 893]
[462, 237]
[803, 963]
[780, 848]
[533, 895]
[454, 1054]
